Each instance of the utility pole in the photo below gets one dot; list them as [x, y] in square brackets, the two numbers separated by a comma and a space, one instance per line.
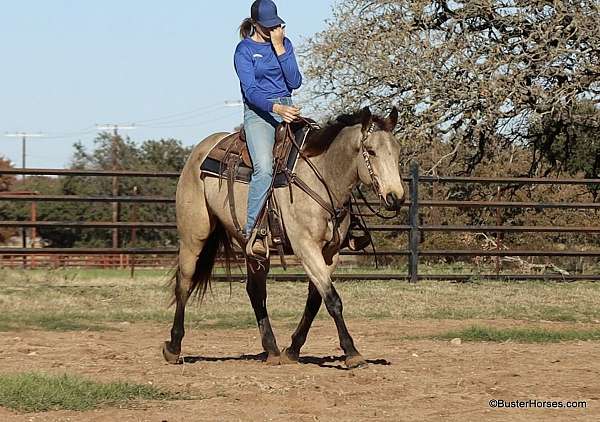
[115, 179]
[24, 136]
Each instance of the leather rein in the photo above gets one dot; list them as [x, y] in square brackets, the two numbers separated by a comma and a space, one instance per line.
[337, 214]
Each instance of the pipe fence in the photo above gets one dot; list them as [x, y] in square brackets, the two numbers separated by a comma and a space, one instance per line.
[32, 257]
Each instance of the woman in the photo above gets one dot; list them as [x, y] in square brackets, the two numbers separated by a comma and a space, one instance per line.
[266, 66]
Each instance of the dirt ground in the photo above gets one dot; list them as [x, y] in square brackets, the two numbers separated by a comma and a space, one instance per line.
[407, 380]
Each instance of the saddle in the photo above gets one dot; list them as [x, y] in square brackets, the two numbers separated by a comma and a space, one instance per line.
[231, 154]
[229, 159]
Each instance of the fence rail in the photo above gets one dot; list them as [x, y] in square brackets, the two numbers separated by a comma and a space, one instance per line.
[413, 229]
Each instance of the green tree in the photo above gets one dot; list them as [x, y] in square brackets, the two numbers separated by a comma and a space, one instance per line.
[164, 155]
[6, 183]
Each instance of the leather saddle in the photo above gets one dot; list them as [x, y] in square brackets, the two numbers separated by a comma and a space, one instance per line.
[233, 148]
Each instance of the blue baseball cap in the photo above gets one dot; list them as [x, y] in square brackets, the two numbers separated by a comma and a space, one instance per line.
[265, 13]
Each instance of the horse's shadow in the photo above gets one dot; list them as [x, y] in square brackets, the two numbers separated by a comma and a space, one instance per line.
[322, 361]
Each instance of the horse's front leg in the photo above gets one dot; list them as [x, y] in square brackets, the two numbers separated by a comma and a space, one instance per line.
[313, 303]
[319, 273]
[256, 287]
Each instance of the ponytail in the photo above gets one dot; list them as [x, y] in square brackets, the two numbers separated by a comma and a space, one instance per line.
[246, 28]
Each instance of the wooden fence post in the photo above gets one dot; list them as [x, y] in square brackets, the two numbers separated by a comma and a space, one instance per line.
[413, 217]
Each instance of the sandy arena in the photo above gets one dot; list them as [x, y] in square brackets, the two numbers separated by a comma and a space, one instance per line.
[407, 380]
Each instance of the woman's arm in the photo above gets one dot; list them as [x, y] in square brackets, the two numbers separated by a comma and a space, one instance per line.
[245, 70]
[287, 61]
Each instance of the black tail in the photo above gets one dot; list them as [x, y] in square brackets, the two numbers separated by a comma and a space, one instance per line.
[217, 241]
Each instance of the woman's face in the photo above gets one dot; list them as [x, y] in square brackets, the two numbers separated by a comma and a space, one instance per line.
[264, 31]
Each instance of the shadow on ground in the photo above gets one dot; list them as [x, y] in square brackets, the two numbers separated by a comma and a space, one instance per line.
[322, 361]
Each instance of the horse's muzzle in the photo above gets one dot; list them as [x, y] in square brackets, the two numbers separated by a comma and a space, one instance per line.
[392, 202]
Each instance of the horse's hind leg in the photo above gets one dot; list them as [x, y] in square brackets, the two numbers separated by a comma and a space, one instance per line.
[256, 288]
[188, 257]
[313, 303]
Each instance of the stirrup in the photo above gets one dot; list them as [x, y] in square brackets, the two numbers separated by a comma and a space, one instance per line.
[256, 246]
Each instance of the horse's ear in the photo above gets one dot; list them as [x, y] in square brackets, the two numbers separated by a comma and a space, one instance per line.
[365, 118]
[391, 121]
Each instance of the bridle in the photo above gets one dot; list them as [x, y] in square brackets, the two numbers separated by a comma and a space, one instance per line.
[374, 182]
[365, 154]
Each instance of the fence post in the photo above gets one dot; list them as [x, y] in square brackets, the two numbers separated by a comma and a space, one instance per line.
[413, 217]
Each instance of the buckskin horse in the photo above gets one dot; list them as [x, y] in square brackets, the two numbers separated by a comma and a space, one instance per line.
[350, 149]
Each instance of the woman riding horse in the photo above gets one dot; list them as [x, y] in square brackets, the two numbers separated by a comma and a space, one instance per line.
[351, 149]
[266, 66]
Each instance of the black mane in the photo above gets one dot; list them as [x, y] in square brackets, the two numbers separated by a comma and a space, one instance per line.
[319, 141]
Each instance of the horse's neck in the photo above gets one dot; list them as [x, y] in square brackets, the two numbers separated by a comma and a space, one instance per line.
[338, 166]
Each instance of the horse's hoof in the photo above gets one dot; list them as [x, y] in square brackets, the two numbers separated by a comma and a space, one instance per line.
[356, 362]
[172, 358]
[288, 357]
[273, 360]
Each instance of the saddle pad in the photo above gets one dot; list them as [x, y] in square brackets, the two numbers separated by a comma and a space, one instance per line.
[212, 167]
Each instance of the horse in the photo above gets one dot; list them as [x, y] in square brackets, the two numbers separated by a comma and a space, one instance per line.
[353, 148]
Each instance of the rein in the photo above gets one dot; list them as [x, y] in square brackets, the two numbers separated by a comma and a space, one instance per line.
[292, 177]
[337, 214]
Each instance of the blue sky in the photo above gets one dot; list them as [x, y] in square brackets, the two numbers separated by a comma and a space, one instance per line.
[67, 65]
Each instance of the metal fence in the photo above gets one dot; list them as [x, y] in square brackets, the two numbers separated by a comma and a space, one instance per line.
[414, 253]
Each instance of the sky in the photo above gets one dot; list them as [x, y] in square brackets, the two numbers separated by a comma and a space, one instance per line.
[166, 67]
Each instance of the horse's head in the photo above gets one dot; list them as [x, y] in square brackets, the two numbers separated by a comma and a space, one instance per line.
[380, 156]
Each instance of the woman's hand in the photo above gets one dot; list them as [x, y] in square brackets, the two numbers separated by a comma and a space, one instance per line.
[277, 36]
[288, 113]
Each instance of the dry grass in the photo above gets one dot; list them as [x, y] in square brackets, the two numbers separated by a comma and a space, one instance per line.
[94, 300]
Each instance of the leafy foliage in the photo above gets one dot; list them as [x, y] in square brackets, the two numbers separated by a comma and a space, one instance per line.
[467, 76]
[152, 155]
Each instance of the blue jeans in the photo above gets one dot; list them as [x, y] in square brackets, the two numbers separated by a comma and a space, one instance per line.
[260, 137]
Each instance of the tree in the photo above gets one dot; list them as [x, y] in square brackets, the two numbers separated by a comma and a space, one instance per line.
[152, 155]
[6, 182]
[471, 74]
[576, 150]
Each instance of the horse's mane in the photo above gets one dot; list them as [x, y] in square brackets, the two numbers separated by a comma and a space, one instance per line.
[320, 140]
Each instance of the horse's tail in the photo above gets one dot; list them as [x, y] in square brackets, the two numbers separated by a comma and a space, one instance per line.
[217, 241]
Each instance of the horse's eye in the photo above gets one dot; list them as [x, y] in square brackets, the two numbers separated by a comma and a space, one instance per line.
[371, 152]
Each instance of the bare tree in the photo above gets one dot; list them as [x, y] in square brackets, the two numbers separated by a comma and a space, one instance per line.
[472, 75]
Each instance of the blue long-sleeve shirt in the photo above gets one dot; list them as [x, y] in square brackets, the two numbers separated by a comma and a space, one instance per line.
[265, 75]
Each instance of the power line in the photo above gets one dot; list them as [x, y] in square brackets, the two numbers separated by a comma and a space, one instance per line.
[174, 115]
[183, 117]
[160, 122]
[198, 124]
[74, 134]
